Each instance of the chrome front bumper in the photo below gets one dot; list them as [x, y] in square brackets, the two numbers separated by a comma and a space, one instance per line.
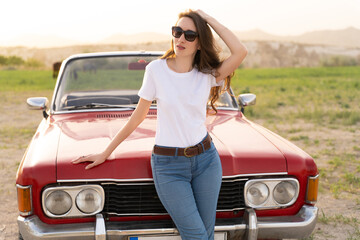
[249, 227]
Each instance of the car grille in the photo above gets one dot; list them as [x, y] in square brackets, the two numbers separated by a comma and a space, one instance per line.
[141, 198]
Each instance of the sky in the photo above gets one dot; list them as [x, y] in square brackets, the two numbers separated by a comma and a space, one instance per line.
[90, 21]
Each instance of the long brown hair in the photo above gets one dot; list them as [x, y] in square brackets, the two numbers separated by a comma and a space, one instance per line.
[207, 59]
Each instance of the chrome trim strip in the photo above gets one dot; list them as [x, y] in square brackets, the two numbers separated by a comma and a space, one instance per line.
[23, 187]
[315, 177]
[136, 214]
[151, 179]
[117, 54]
[161, 214]
[256, 174]
[105, 180]
[229, 210]
[127, 184]
[236, 180]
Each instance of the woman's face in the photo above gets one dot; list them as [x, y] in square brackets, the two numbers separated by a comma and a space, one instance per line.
[182, 47]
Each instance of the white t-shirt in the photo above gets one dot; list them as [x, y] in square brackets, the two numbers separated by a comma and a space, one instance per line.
[181, 103]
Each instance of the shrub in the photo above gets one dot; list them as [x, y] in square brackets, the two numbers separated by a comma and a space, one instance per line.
[14, 60]
[34, 63]
[339, 61]
[2, 60]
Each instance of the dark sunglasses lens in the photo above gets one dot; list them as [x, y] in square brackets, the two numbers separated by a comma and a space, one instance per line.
[176, 32]
[190, 36]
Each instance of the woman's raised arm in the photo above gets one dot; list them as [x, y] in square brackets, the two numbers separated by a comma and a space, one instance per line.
[237, 49]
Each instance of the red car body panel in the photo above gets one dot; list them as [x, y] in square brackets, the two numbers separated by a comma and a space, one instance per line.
[245, 149]
[38, 166]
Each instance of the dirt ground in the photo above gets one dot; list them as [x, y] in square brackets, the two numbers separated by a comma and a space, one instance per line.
[339, 218]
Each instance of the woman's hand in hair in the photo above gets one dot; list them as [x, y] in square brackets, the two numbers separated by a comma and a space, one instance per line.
[237, 49]
[202, 14]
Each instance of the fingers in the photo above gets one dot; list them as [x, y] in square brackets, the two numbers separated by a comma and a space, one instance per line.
[202, 14]
[94, 159]
[80, 160]
[94, 164]
[90, 166]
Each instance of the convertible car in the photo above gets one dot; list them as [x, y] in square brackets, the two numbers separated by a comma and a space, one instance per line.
[269, 186]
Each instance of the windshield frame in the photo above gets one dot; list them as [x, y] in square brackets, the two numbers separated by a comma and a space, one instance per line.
[104, 55]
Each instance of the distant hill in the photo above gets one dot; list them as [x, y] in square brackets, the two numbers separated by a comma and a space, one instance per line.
[318, 48]
[256, 35]
[349, 37]
[267, 54]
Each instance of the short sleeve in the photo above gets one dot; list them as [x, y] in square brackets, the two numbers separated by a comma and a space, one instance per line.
[214, 83]
[147, 90]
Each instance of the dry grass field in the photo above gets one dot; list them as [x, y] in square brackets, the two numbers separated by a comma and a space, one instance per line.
[316, 108]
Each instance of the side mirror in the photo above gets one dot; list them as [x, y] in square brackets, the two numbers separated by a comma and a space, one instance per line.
[246, 99]
[38, 103]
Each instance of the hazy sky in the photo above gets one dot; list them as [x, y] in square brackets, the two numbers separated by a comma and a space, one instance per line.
[88, 20]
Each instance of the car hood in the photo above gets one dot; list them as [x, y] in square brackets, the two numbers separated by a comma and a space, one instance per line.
[243, 149]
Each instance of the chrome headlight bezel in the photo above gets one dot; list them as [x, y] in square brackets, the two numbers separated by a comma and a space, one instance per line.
[290, 186]
[73, 192]
[81, 200]
[64, 206]
[260, 187]
[271, 183]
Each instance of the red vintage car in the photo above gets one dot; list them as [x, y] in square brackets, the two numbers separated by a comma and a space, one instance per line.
[269, 185]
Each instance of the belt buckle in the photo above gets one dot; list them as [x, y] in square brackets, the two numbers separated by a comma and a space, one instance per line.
[186, 155]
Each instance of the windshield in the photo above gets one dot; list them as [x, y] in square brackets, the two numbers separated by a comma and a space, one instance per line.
[106, 82]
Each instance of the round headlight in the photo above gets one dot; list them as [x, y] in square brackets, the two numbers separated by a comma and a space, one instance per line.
[257, 193]
[284, 192]
[88, 201]
[58, 202]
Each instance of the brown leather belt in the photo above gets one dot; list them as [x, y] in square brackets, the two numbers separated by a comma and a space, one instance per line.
[187, 152]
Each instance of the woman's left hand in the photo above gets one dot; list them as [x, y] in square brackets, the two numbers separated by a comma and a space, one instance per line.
[237, 49]
[202, 14]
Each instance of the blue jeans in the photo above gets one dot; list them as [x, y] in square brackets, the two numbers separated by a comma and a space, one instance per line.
[189, 189]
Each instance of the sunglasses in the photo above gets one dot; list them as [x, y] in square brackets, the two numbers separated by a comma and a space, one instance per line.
[189, 35]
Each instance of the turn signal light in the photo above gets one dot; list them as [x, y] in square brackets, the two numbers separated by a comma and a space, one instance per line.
[312, 189]
[24, 200]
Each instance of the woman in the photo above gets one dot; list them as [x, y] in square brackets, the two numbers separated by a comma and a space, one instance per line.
[185, 164]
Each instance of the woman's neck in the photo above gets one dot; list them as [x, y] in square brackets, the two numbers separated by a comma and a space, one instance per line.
[180, 65]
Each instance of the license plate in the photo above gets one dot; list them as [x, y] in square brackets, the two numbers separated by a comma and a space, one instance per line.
[217, 236]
